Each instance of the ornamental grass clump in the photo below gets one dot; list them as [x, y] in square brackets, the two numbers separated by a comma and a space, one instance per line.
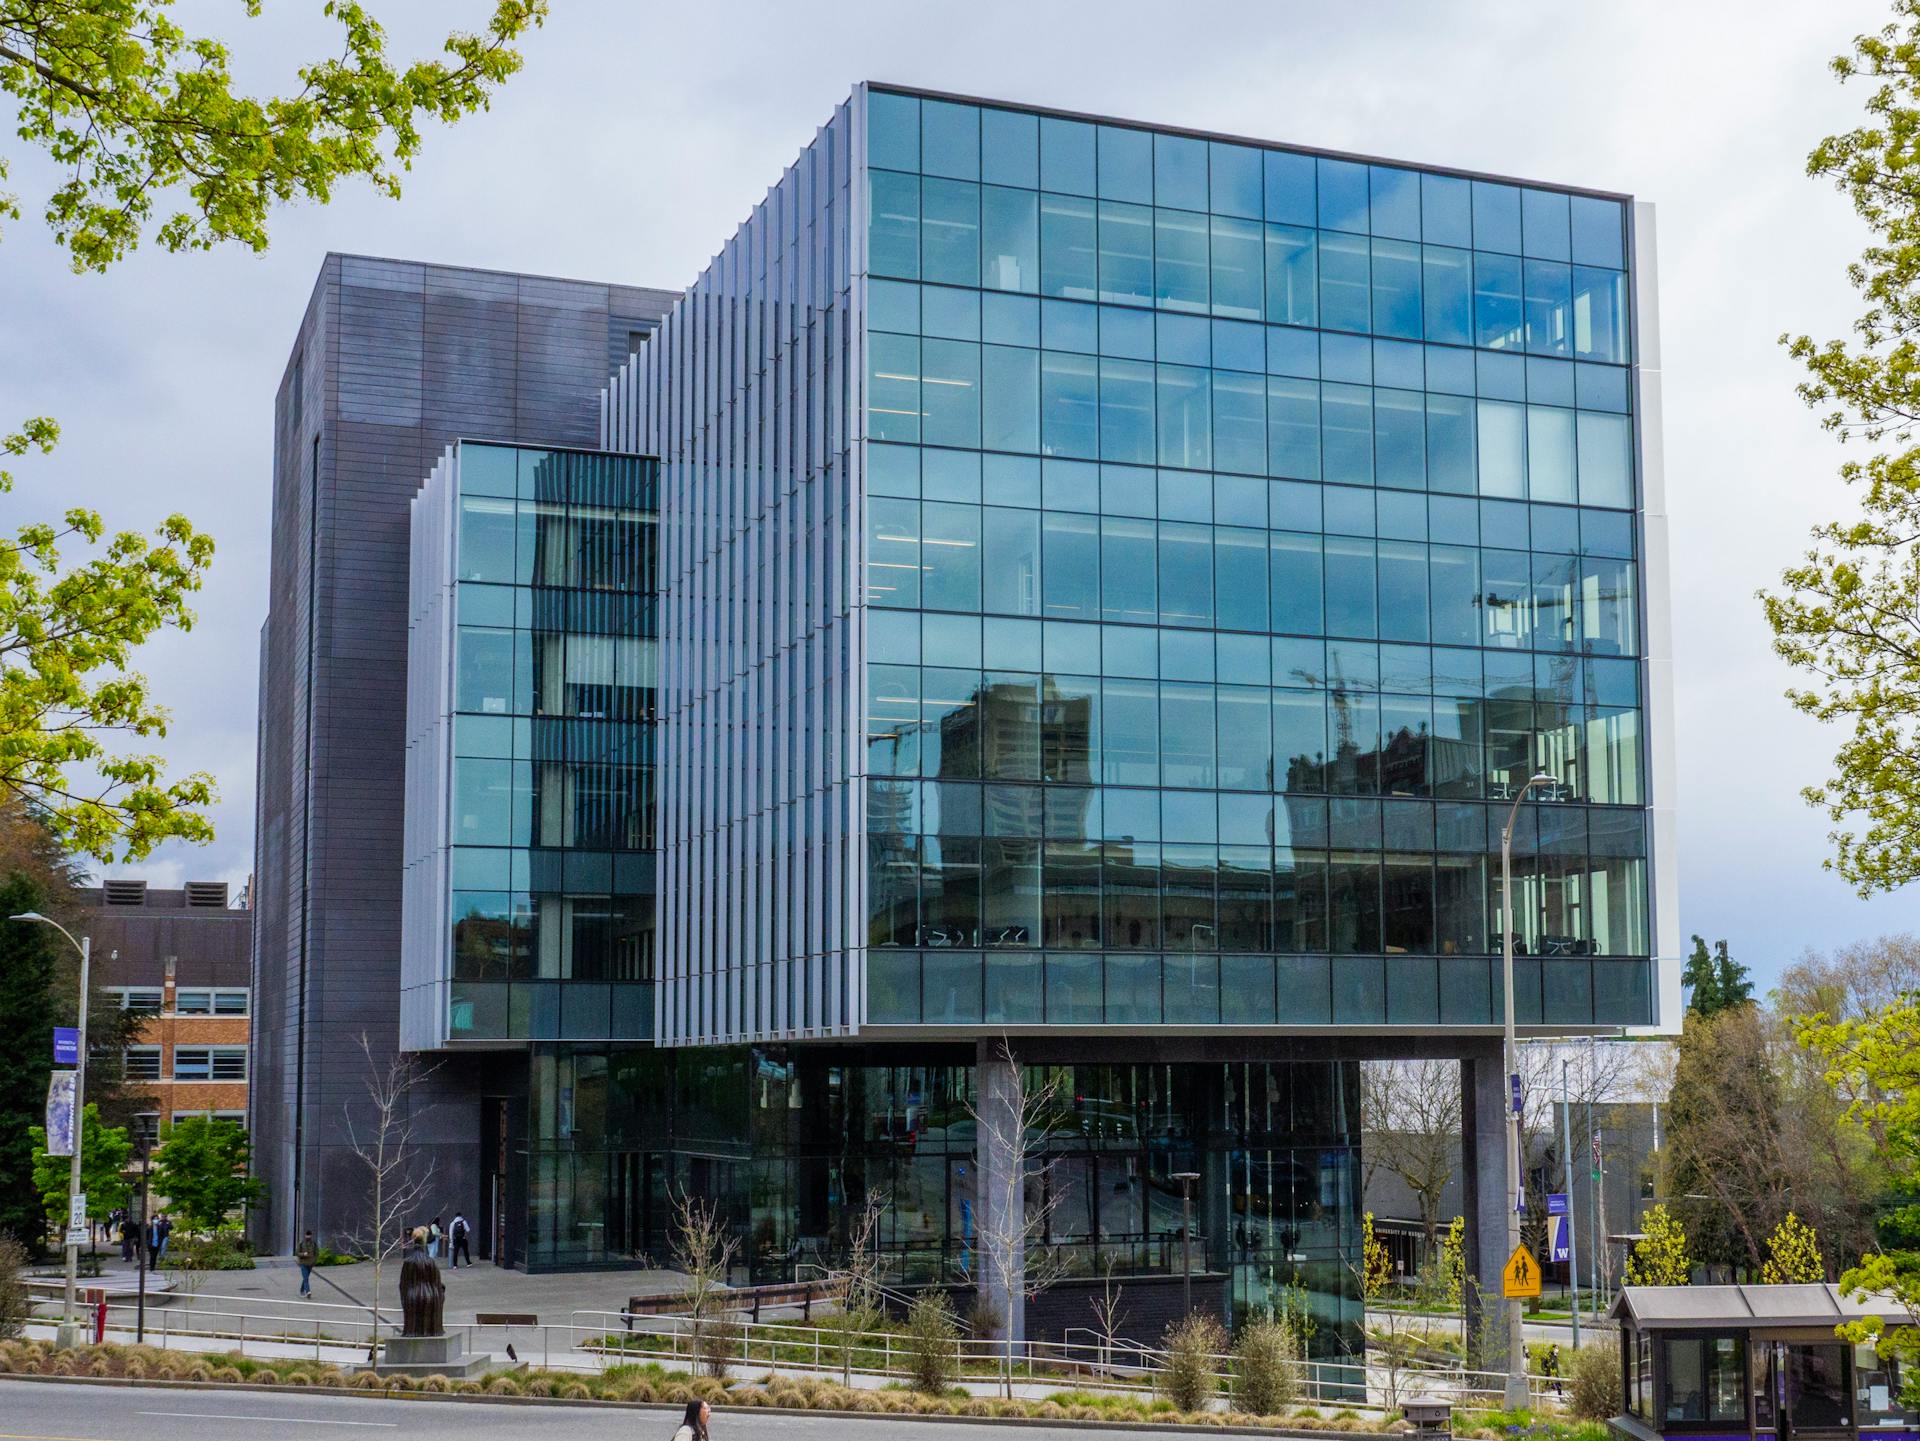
[1187, 1376]
[932, 1343]
[1266, 1367]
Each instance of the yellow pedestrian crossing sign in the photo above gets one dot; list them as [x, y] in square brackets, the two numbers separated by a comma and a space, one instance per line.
[1522, 1275]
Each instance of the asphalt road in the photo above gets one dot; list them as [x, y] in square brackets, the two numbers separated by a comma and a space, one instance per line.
[50, 1411]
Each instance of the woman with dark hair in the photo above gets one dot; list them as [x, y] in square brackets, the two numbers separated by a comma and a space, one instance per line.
[693, 1426]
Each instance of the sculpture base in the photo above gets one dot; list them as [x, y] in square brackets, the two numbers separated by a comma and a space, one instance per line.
[429, 1356]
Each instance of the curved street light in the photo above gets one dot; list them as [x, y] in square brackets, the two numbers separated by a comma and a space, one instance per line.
[68, 1335]
[1516, 1391]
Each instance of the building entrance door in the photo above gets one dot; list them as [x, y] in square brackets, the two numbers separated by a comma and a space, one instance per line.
[1819, 1398]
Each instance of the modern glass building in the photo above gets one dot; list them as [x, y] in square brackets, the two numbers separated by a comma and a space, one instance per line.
[1066, 588]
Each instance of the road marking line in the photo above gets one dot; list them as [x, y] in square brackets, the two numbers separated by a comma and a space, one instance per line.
[278, 1420]
[35, 1436]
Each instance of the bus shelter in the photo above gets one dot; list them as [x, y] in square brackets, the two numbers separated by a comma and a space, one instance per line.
[1710, 1363]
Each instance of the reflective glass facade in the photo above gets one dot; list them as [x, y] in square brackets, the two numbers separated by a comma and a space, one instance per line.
[530, 893]
[791, 1141]
[1241, 527]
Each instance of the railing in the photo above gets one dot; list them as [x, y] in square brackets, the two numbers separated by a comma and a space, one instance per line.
[1124, 1366]
[591, 1340]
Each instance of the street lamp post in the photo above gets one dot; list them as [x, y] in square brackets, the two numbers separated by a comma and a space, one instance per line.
[140, 1244]
[1516, 1390]
[1566, 1160]
[1186, 1180]
[68, 1335]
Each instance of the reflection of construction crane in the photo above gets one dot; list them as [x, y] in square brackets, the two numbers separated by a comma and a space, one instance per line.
[1340, 691]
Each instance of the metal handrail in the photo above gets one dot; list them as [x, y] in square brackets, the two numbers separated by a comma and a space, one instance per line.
[587, 1342]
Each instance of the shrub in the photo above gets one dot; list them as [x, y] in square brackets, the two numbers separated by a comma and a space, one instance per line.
[305, 1378]
[715, 1345]
[539, 1386]
[265, 1376]
[576, 1392]
[1187, 1377]
[333, 1378]
[467, 1388]
[436, 1383]
[134, 1370]
[1593, 1383]
[503, 1386]
[101, 1366]
[931, 1340]
[228, 1374]
[14, 1304]
[1266, 1368]
[199, 1371]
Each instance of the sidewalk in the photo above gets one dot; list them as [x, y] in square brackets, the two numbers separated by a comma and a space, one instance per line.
[273, 1286]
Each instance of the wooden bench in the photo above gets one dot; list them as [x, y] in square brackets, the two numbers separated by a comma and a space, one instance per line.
[748, 1299]
[505, 1318]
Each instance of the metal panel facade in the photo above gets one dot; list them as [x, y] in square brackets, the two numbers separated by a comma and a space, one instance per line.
[393, 361]
[745, 395]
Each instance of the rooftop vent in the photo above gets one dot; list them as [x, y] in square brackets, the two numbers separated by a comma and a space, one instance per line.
[207, 893]
[124, 893]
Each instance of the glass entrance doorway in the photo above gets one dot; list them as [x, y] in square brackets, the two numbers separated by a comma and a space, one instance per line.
[1819, 1400]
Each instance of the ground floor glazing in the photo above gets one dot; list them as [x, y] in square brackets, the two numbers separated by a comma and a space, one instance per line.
[790, 1142]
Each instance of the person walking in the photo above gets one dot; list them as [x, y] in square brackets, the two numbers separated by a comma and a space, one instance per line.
[458, 1235]
[434, 1237]
[127, 1233]
[307, 1253]
[161, 1233]
[693, 1425]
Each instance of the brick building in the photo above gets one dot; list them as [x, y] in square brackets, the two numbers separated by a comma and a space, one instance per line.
[184, 958]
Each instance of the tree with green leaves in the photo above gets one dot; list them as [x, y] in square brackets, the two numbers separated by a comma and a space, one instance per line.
[1793, 1254]
[1715, 982]
[138, 111]
[143, 117]
[1848, 615]
[27, 1018]
[1873, 1063]
[104, 1153]
[1660, 1257]
[1725, 1161]
[202, 1171]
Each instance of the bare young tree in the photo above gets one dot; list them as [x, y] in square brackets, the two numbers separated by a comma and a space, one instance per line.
[381, 1138]
[1411, 1114]
[858, 1278]
[703, 1252]
[1012, 1112]
[1109, 1315]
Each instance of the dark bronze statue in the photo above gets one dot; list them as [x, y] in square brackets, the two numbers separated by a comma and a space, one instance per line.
[423, 1295]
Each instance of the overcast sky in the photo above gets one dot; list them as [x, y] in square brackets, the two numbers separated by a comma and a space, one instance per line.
[639, 136]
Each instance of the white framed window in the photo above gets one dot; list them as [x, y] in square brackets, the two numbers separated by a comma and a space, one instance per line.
[240, 1117]
[209, 1063]
[138, 998]
[214, 1001]
[143, 1063]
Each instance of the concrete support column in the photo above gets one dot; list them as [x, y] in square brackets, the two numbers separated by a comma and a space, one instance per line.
[1000, 1193]
[1483, 1119]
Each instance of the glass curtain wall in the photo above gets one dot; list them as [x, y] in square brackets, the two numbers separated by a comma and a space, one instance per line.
[791, 1142]
[1242, 527]
[552, 782]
